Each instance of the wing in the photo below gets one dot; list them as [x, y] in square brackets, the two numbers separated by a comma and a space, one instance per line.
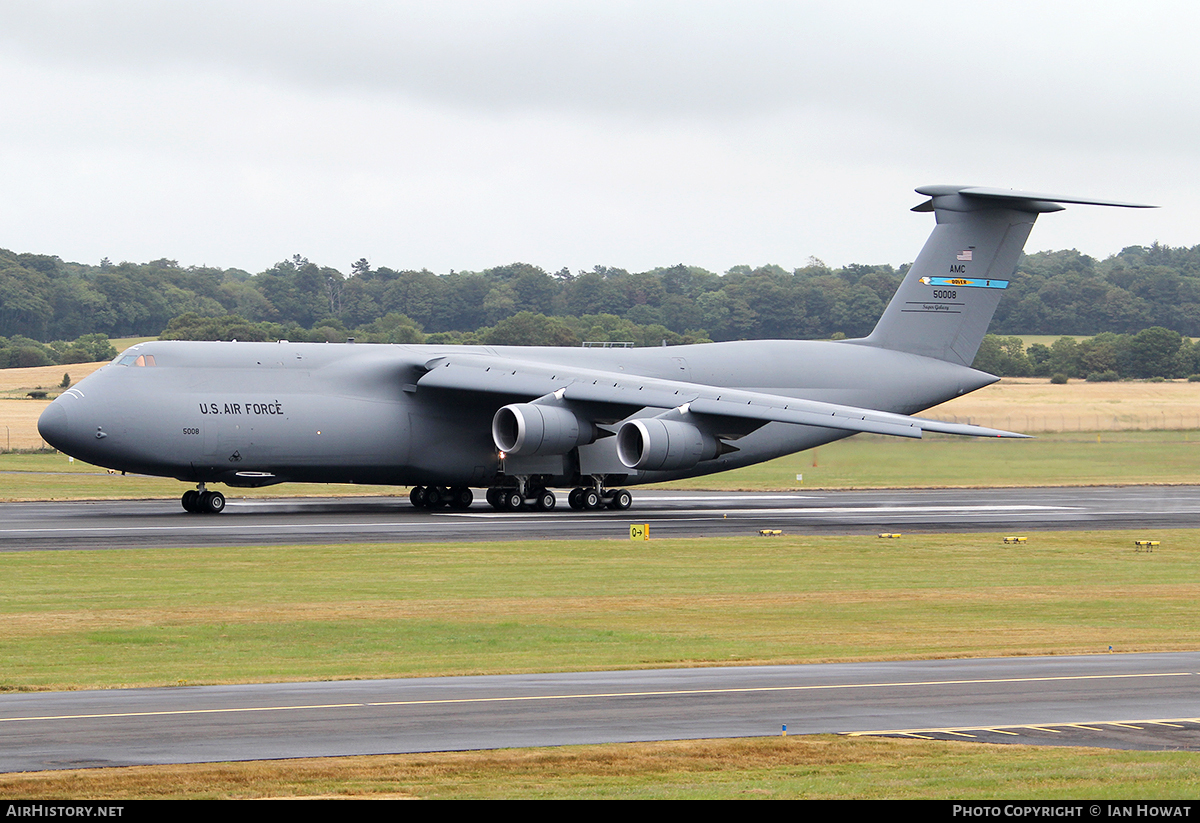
[625, 394]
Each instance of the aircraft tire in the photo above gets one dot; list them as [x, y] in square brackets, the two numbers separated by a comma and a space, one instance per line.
[512, 500]
[621, 500]
[190, 500]
[461, 498]
[575, 499]
[212, 502]
[418, 497]
[545, 500]
[591, 499]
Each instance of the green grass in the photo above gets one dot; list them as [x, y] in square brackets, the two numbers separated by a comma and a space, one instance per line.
[122, 343]
[52, 476]
[153, 617]
[865, 461]
[159, 617]
[1059, 459]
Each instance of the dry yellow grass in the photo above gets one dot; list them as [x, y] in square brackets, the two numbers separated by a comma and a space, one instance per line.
[48, 377]
[19, 413]
[808, 767]
[555, 772]
[18, 423]
[1036, 405]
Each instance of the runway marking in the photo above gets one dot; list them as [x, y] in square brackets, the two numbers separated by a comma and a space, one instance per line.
[208, 527]
[802, 510]
[1043, 727]
[657, 498]
[541, 517]
[610, 696]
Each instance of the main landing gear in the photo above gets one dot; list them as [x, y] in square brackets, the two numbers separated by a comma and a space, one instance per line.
[201, 501]
[525, 493]
[582, 499]
[510, 499]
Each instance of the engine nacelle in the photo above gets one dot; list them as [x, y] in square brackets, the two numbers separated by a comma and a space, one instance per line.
[653, 444]
[530, 430]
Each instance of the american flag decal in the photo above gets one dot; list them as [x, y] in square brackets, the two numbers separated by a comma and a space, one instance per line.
[964, 255]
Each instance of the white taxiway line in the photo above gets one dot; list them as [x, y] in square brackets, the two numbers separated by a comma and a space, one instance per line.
[556, 516]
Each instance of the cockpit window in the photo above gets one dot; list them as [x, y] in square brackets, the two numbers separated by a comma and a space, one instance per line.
[136, 360]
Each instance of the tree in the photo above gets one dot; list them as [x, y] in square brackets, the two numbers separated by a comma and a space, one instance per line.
[530, 329]
[1152, 352]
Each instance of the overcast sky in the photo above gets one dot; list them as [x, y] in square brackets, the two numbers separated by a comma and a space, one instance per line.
[462, 135]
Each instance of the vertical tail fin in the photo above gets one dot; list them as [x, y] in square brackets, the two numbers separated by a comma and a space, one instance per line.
[946, 301]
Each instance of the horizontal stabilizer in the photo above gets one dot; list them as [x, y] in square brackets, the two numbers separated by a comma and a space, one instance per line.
[984, 192]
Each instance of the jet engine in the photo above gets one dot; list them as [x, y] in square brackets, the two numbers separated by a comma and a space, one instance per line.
[531, 430]
[654, 444]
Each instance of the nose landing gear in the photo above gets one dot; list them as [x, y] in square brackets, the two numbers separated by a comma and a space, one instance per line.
[201, 501]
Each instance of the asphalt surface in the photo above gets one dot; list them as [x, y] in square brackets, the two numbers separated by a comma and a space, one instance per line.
[163, 523]
[1136, 701]
[1149, 701]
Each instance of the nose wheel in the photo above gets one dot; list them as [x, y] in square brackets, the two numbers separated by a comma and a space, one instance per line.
[196, 501]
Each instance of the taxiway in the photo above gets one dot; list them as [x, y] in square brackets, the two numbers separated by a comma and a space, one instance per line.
[1136, 701]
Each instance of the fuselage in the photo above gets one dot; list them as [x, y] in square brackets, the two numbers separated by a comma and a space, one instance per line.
[251, 414]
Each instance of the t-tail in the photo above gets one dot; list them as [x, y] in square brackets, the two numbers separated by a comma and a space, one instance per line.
[946, 301]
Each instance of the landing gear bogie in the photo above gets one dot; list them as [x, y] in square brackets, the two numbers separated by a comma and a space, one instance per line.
[435, 497]
[621, 500]
[581, 498]
[197, 501]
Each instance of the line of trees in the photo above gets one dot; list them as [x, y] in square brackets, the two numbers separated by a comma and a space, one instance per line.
[24, 352]
[44, 298]
[1138, 304]
[1152, 352]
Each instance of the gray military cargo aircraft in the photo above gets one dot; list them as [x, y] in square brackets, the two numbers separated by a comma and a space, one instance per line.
[519, 421]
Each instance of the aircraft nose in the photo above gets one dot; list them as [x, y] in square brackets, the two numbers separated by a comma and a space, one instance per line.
[53, 426]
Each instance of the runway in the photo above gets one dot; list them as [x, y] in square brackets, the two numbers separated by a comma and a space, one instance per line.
[1137, 701]
[145, 524]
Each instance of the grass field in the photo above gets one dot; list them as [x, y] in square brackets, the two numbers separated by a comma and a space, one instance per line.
[164, 617]
[95, 619]
[1033, 405]
[865, 461]
[860, 462]
[811, 767]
